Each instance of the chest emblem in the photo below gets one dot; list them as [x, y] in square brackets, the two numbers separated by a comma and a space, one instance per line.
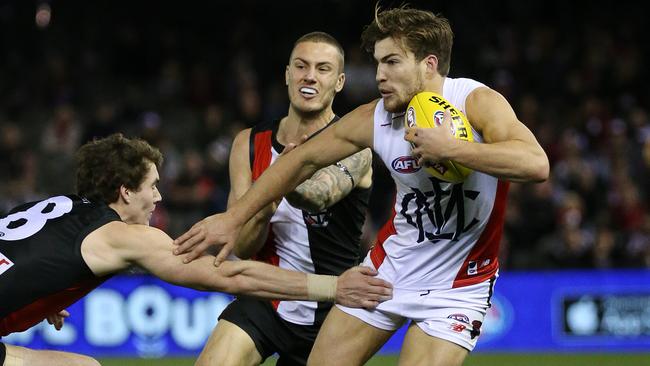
[320, 219]
[405, 165]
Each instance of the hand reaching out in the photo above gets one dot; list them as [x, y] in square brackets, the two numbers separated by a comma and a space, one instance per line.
[58, 319]
[357, 287]
[219, 230]
[290, 146]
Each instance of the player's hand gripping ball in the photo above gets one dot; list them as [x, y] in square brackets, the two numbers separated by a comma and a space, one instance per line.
[426, 110]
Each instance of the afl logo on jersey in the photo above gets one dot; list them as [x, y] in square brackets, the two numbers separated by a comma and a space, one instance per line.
[405, 165]
[459, 317]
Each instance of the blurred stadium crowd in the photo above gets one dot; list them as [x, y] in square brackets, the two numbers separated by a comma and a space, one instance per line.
[188, 78]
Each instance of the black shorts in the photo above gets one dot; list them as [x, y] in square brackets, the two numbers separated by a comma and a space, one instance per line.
[270, 332]
[3, 353]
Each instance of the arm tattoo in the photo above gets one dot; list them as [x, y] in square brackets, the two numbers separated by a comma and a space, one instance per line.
[330, 184]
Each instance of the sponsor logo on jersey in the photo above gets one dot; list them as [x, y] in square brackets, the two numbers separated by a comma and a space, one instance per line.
[473, 267]
[320, 219]
[406, 165]
[457, 327]
[460, 317]
[5, 263]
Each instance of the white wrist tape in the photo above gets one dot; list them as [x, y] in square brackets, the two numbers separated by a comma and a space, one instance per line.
[321, 287]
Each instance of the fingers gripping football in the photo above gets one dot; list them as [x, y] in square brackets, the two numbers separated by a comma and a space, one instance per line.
[434, 127]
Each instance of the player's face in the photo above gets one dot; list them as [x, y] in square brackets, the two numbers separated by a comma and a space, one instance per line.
[314, 76]
[399, 75]
[142, 202]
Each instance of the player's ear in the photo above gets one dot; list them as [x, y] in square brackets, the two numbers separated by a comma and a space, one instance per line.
[431, 62]
[286, 76]
[340, 81]
[125, 194]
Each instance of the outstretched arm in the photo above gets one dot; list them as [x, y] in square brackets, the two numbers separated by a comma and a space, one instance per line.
[330, 184]
[351, 134]
[117, 245]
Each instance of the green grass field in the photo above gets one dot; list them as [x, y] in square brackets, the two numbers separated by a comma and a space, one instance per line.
[537, 359]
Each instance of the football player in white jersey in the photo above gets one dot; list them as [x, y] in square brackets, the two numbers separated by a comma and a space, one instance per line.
[439, 249]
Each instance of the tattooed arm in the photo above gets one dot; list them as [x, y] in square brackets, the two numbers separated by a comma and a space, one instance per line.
[330, 184]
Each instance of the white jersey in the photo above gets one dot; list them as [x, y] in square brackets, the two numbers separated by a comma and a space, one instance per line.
[292, 249]
[441, 235]
[327, 242]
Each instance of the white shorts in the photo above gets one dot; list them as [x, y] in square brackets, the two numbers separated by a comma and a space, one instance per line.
[455, 315]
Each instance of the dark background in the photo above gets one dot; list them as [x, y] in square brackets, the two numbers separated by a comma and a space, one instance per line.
[188, 75]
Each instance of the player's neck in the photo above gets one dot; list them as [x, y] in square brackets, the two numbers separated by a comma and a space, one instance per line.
[122, 212]
[295, 125]
[435, 84]
[118, 208]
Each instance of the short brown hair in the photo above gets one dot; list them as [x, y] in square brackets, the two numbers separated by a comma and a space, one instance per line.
[420, 31]
[103, 165]
[322, 37]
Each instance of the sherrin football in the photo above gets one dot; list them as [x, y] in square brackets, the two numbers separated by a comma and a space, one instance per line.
[426, 110]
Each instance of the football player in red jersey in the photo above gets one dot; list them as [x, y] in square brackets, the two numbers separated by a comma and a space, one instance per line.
[62, 247]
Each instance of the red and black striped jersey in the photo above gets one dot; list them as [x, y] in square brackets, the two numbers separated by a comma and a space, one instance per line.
[41, 267]
[325, 242]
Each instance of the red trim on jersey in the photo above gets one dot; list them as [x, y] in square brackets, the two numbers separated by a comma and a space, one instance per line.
[377, 253]
[262, 145]
[32, 314]
[269, 255]
[487, 246]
